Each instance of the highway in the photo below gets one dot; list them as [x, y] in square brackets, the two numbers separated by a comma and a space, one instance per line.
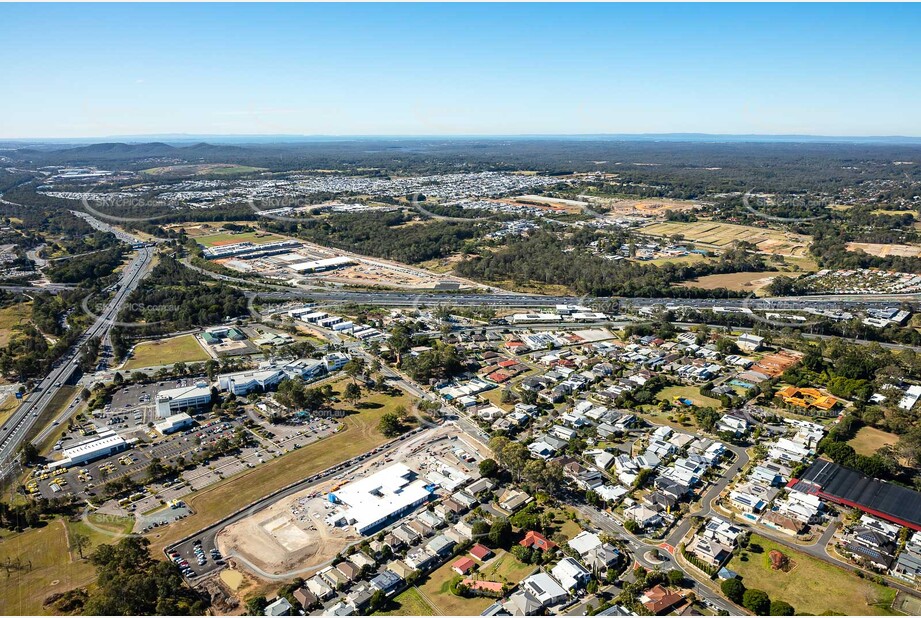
[411, 299]
[19, 425]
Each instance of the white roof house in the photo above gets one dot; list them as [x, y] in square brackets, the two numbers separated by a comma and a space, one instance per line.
[570, 573]
[545, 589]
[584, 542]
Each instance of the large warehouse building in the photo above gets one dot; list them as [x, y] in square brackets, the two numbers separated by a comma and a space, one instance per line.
[103, 444]
[841, 485]
[372, 502]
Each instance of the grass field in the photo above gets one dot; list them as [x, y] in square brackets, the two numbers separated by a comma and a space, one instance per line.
[869, 440]
[687, 392]
[408, 603]
[691, 258]
[100, 529]
[722, 235]
[53, 570]
[359, 435]
[8, 406]
[12, 316]
[228, 238]
[184, 348]
[813, 586]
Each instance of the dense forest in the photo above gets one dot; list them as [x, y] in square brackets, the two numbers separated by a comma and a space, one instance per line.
[391, 235]
[89, 268]
[547, 259]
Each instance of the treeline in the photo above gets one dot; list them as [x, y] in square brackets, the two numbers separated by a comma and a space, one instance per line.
[683, 167]
[391, 235]
[129, 582]
[545, 258]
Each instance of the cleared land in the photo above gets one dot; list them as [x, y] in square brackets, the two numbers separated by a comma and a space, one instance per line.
[741, 282]
[870, 439]
[206, 169]
[722, 235]
[643, 207]
[808, 584]
[231, 238]
[880, 250]
[13, 316]
[358, 435]
[184, 348]
[53, 569]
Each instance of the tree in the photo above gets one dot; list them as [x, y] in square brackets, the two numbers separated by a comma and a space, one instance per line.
[256, 606]
[390, 425]
[781, 608]
[757, 602]
[377, 602]
[352, 392]
[131, 582]
[79, 542]
[675, 577]
[479, 529]
[734, 589]
[500, 532]
[488, 468]
[29, 453]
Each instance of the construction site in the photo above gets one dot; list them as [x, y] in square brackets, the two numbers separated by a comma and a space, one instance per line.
[308, 529]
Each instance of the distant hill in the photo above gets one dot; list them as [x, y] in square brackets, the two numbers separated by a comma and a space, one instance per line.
[121, 152]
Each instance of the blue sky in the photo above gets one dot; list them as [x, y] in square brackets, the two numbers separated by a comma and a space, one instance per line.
[75, 70]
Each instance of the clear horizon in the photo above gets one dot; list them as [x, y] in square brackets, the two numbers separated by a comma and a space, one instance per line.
[85, 71]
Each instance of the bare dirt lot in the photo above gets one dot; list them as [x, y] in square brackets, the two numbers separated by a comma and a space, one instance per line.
[722, 235]
[885, 250]
[740, 282]
[650, 207]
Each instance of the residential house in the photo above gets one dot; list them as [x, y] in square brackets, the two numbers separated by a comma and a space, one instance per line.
[570, 573]
[536, 540]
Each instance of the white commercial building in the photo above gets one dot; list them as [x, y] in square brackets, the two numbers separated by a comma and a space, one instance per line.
[174, 423]
[316, 266]
[105, 443]
[245, 382]
[175, 400]
[375, 500]
[335, 361]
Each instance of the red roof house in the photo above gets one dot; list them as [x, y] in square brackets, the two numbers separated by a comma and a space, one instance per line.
[537, 540]
[480, 552]
[463, 565]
